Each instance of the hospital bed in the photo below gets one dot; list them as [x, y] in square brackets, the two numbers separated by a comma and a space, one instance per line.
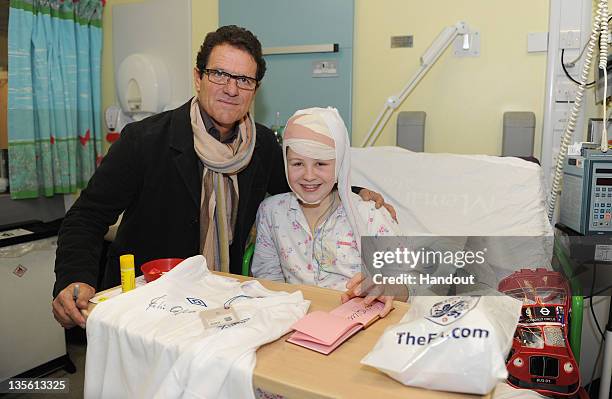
[483, 199]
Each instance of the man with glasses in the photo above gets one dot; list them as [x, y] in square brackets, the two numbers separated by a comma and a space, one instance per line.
[188, 181]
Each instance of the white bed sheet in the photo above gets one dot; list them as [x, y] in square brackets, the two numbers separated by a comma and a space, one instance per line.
[451, 194]
[464, 195]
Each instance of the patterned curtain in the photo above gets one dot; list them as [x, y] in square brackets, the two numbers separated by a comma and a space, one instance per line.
[54, 121]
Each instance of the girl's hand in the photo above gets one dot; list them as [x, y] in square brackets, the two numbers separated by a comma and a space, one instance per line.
[356, 287]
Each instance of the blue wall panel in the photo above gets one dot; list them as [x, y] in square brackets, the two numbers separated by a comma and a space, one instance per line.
[288, 84]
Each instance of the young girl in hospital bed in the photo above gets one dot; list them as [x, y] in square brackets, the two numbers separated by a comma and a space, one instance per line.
[313, 234]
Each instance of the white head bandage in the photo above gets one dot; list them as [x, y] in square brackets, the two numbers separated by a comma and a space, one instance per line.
[309, 136]
[320, 133]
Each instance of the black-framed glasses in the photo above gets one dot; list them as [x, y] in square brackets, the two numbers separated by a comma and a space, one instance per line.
[222, 78]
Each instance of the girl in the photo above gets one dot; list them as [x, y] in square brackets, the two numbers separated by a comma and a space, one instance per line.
[313, 234]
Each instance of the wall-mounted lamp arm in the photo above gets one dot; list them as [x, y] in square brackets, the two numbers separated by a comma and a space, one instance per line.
[441, 43]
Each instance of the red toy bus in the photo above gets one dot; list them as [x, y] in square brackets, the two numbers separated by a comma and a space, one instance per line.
[541, 358]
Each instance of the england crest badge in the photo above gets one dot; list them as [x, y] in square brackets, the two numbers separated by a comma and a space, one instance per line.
[451, 309]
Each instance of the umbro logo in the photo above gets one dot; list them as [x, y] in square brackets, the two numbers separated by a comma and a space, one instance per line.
[196, 301]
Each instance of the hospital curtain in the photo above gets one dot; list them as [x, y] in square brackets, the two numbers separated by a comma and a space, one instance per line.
[54, 52]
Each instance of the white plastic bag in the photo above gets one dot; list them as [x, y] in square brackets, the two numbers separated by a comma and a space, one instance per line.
[454, 344]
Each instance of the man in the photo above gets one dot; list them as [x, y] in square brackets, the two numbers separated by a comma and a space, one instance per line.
[188, 181]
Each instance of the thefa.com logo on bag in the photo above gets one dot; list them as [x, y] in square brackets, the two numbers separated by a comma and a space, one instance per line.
[451, 309]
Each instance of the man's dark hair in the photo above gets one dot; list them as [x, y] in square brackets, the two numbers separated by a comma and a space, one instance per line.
[237, 37]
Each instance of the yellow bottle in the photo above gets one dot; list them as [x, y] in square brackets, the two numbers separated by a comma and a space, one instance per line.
[128, 274]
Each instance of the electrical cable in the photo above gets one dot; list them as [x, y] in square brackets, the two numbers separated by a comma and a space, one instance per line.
[589, 85]
[603, 65]
[607, 120]
[318, 237]
[574, 61]
[603, 337]
[573, 117]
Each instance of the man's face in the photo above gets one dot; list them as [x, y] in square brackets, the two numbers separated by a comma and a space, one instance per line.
[227, 103]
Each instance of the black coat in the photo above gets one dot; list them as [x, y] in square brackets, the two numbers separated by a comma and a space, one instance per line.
[152, 174]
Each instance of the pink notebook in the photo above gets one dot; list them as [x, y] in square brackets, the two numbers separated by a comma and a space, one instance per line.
[323, 332]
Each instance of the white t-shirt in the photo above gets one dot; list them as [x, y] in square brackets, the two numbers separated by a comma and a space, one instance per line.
[152, 343]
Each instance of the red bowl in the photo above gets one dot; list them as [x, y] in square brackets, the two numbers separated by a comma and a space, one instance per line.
[153, 269]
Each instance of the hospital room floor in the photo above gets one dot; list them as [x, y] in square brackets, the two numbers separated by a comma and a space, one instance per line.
[77, 351]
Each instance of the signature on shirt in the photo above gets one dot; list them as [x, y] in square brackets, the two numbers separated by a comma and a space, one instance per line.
[160, 303]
